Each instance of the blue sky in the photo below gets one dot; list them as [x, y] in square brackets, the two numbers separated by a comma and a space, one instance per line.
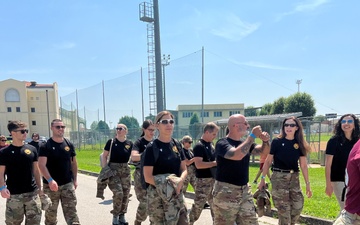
[254, 50]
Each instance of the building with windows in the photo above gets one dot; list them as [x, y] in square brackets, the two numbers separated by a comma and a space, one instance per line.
[35, 104]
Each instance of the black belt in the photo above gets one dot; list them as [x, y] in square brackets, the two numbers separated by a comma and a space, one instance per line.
[283, 171]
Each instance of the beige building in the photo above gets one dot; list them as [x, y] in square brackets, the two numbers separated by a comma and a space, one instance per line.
[35, 104]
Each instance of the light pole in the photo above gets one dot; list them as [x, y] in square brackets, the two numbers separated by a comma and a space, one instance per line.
[165, 62]
[298, 82]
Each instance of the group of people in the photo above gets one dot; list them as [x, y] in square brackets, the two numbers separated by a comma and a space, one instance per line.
[23, 166]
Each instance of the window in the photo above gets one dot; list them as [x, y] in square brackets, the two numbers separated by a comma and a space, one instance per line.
[187, 114]
[33, 123]
[12, 95]
[206, 114]
[234, 112]
[9, 109]
[17, 109]
[217, 114]
[32, 109]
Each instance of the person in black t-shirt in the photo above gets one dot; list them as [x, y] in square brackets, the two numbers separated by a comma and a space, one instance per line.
[23, 184]
[58, 165]
[35, 141]
[287, 150]
[119, 184]
[190, 165]
[346, 134]
[140, 144]
[204, 157]
[170, 161]
[233, 201]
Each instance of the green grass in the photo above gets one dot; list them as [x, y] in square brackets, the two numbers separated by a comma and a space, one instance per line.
[320, 205]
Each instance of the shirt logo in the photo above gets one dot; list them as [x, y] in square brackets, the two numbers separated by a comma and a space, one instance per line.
[296, 146]
[175, 149]
[127, 147]
[27, 151]
[67, 148]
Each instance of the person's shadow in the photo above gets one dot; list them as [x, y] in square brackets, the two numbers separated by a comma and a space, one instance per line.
[106, 202]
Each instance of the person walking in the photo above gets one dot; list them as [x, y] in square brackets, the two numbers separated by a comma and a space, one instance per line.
[346, 134]
[164, 172]
[3, 143]
[148, 131]
[22, 189]
[204, 157]
[120, 183]
[190, 165]
[262, 161]
[286, 152]
[35, 141]
[233, 201]
[58, 166]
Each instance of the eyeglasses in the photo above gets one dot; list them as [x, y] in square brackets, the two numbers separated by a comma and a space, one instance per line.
[289, 125]
[190, 142]
[166, 121]
[58, 127]
[151, 130]
[348, 121]
[3, 140]
[22, 131]
[120, 128]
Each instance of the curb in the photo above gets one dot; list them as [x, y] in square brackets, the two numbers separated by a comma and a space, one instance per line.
[303, 218]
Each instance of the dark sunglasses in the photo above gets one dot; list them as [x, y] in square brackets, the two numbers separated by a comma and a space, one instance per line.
[348, 121]
[166, 121]
[58, 127]
[190, 142]
[120, 128]
[289, 125]
[22, 131]
[3, 140]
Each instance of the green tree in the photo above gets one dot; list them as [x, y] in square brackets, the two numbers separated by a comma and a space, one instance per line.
[266, 109]
[94, 125]
[319, 118]
[278, 106]
[102, 127]
[300, 102]
[132, 125]
[195, 126]
[251, 111]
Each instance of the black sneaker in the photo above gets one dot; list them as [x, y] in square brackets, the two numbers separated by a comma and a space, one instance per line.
[206, 206]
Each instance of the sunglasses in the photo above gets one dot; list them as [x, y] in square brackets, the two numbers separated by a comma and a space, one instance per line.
[166, 121]
[120, 128]
[190, 142]
[289, 125]
[151, 130]
[58, 127]
[347, 121]
[22, 131]
[3, 140]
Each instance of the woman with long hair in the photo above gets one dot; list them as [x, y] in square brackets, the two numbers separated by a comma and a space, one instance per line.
[346, 134]
[165, 172]
[148, 131]
[286, 151]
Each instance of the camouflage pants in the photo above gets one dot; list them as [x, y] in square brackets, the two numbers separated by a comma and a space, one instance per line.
[232, 203]
[287, 196]
[347, 218]
[140, 192]
[66, 194]
[27, 204]
[159, 213]
[203, 193]
[190, 178]
[120, 185]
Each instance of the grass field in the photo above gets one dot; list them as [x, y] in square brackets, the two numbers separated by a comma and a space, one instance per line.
[319, 205]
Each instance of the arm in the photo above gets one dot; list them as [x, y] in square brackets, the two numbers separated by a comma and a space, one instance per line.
[104, 158]
[148, 175]
[135, 156]
[37, 177]
[267, 164]
[45, 172]
[304, 170]
[74, 169]
[328, 162]
[200, 164]
[5, 193]
[265, 147]
[189, 161]
[182, 176]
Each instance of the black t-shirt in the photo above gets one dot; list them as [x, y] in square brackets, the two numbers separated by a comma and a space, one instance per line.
[18, 162]
[189, 154]
[286, 154]
[169, 160]
[231, 171]
[59, 156]
[35, 144]
[120, 151]
[139, 145]
[206, 151]
[340, 151]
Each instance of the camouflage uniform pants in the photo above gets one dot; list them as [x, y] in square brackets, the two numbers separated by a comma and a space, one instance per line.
[203, 193]
[232, 203]
[287, 196]
[159, 213]
[65, 193]
[190, 178]
[347, 218]
[120, 185]
[27, 204]
[140, 192]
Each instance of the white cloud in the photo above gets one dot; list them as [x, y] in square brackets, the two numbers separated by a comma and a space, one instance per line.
[65, 45]
[304, 7]
[265, 66]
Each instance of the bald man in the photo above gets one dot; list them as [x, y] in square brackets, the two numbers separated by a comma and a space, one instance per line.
[233, 201]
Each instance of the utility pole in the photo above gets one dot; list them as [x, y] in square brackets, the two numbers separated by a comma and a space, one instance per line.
[165, 62]
[298, 82]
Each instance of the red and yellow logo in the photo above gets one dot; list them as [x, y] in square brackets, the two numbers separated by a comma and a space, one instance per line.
[27, 151]
[67, 148]
[127, 147]
[296, 146]
[175, 149]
